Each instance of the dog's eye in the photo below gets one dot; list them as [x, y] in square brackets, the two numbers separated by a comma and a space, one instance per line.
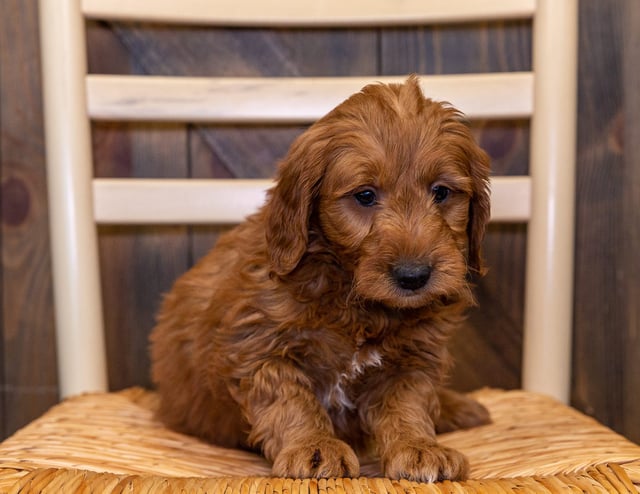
[440, 193]
[366, 197]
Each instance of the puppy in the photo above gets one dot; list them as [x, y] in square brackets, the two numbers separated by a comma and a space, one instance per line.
[318, 327]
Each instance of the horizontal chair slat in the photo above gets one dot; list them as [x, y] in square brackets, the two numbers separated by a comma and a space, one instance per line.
[177, 201]
[510, 199]
[206, 201]
[289, 100]
[277, 13]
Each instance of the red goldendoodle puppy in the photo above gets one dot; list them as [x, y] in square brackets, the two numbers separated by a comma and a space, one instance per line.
[319, 326]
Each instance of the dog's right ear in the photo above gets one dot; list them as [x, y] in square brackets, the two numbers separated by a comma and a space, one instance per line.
[290, 202]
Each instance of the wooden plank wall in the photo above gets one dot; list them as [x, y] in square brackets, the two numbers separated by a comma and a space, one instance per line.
[141, 262]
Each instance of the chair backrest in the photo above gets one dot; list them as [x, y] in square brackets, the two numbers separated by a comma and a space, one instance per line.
[78, 201]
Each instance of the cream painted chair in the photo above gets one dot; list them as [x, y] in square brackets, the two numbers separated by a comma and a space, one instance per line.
[107, 440]
[78, 201]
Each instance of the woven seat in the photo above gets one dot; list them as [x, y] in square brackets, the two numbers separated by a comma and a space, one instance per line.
[110, 442]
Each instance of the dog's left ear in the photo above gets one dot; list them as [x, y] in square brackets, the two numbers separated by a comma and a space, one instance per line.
[290, 203]
[479, 210]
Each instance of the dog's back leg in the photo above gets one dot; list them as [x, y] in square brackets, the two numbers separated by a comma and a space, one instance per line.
[458, 411]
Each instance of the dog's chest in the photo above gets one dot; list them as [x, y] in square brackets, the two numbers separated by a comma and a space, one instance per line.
[336, 395]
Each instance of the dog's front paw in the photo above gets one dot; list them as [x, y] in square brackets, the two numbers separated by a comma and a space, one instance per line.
[424, 463]
[320, 458]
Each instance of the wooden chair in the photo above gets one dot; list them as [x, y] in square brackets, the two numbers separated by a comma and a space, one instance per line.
[110, 441]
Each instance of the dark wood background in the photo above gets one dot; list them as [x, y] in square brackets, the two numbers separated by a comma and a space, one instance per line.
[140, 263]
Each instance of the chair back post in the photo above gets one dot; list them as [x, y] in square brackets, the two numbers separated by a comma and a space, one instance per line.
[549, 270]
[79, 326]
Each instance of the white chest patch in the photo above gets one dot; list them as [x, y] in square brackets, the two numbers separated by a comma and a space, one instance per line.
[336, 396]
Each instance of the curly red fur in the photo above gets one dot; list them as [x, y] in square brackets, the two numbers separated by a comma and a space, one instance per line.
[319, 326]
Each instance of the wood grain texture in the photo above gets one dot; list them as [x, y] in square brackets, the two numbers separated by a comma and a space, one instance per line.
[28, 359]
[600, 300]
[631, 218]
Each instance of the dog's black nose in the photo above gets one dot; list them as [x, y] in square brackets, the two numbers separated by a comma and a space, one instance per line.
[411, 276]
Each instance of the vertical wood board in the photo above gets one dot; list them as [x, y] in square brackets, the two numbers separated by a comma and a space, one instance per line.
[631, 218]
[599, 319]
[29, 384]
